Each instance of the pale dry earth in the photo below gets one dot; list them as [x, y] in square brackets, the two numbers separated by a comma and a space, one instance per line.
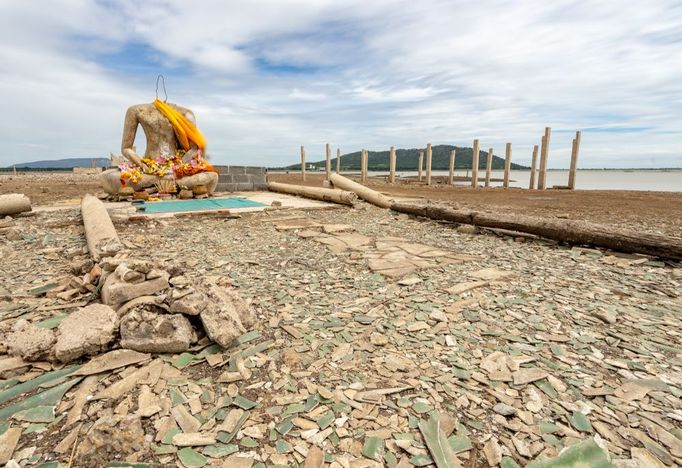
[372, 327]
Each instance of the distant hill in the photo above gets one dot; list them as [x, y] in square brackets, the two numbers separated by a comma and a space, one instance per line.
[408, 159]
[63, 163]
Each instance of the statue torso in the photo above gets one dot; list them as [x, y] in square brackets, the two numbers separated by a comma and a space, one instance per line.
[158, 130]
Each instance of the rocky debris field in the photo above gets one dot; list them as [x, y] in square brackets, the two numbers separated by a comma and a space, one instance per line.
[379, 340]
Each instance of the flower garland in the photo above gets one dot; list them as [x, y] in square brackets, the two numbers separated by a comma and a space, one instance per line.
[162, 166]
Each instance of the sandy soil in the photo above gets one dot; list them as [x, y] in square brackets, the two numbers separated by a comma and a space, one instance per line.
[659, 212]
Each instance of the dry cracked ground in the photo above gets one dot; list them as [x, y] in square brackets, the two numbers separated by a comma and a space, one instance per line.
[382, 340]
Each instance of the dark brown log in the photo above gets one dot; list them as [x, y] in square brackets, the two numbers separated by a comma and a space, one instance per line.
[570, 231]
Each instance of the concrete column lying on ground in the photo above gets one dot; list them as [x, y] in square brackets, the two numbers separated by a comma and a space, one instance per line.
[328, 165]
[507, 164]
[14, 203]
[391, 164]
[429, 160]
[574, 161]
[338, 160]
[563, 230]
[474, 165]
[488, 167]
[366, 193]
[533, 168]
[420, 165]
[303, 162]
[451, 177]
[544, 155]
[100, 233]
[316, 193]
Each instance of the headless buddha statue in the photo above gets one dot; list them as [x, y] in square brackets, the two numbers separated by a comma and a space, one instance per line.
[169, 153]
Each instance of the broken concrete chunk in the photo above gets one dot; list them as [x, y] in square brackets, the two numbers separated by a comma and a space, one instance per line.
[87, 331]
[150, 332]
[116, 291]
[226, 316]
[31, 342]
[190, 304]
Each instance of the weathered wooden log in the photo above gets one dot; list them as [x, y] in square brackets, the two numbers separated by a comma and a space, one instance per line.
[391, 165]
[421, 166]
[488, 167]
[533, 168]
[474, 166]
[574, 160]
[14, 203]
[366, 193]
[328, 162]
[316, 193]
[570, 231]
[451, 175]
[429, 161]
[303, 163]
[544, 156]
[100, 232]
[507, 165]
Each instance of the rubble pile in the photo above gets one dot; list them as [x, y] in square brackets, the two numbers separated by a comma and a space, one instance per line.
[490, 352]
[151, 309]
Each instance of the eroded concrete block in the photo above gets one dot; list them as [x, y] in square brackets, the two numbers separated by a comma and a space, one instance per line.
[226, 315]
[116, 291]
[30, 342]
[148, 331]
[87, 331]
[191, 303]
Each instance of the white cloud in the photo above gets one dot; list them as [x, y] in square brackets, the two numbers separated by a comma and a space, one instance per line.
[264, 77]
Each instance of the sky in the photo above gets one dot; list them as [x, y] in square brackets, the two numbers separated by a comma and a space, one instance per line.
[264, 77]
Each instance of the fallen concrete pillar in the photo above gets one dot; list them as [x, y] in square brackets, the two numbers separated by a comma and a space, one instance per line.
[361, 191]
[99, 230]
[316, 193]
[14, 203]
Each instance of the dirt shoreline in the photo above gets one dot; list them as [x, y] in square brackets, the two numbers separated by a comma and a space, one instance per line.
[656, 212]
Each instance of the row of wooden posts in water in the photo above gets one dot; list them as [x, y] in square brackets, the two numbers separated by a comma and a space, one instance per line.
[541, 176]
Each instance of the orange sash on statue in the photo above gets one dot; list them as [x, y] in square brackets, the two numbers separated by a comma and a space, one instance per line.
[185, 130]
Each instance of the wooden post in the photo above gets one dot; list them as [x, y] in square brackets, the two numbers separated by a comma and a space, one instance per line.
[488, 167]
[474, 166]
[451, 178]
[363, 166]
[420, 165]
[574, 161]
[391, 164]
[338, 160]
[533, 167]
[328, 166]
[429, 160]
[544, 154]
[507, 164]
[303, 162]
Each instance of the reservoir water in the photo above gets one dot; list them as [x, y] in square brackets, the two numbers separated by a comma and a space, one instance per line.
[649, 180]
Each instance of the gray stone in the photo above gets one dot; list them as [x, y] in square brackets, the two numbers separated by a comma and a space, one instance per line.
[150, 332]
[86, 331]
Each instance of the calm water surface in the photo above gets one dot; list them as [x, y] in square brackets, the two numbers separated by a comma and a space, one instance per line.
[654, 180]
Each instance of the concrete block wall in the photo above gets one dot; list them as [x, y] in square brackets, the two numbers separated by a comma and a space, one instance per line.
[241, 179]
